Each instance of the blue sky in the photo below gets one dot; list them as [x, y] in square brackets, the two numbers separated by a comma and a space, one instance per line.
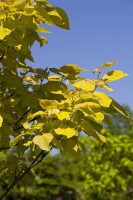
[100, 31]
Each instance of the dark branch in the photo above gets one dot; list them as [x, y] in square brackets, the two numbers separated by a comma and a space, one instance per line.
[32, 120]
[4, 148]
[19, 177]
[2, 56]
[21, 118]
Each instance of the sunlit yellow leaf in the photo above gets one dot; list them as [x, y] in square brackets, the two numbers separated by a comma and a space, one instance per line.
[31, 79]
[87, 105]
[26, 125]
[37, 126]
[104, 86]
[86, 85]
[48, 104]
[4, 32]
[43, 141]
[94, 115]
[42, 29]
[1, 120]
[109, 64]
[98, 69]
[53, 112]
[63, 115]
[114, 76]
[54, 78]
[42, 114]
[103, 99]
[68, 132]
[101, 137]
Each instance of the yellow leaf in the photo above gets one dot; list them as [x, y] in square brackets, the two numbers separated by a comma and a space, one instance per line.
[31, 79]
[101, 137]
[37, 126]
[94, 115]
[109, 64]
[1, 120]
[43, 141]
[26, 125]
[53, 112]
[104, 86]
[54, 78]
[87, 105]
[4, 32]
[86, 85]
[113, 76]
[98, 69]
[48, 104]
[63, 115]
[68, 132]
[103, 99]
[42, 114]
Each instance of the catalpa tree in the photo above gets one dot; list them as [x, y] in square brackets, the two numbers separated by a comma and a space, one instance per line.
[43, 108]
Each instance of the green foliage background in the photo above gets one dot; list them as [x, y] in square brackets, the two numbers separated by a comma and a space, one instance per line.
[103, 173]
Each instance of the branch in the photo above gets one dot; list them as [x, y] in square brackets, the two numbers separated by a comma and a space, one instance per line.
[18, 178]
[8, 96]
[21, 118]
[2, 56]
[20, 127]
[4, 148]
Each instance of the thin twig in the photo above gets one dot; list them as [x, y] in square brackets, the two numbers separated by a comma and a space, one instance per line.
[32, 120]
[21, 118]
[4, 148]
[2, 56]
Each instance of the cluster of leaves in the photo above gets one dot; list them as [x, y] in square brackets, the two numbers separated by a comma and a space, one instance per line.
[104, 172]
[43, 108]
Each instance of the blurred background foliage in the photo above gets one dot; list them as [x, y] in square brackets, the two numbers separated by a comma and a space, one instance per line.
[103, 172]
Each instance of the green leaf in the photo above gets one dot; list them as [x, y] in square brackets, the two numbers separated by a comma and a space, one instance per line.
[64, 19]
[68, 132]
[43, 15]
[43, 141]
[114, 76]
[1, 120]
[59, 17]
[93, 129]
[116, 106]
[85, 85]
[14, 141]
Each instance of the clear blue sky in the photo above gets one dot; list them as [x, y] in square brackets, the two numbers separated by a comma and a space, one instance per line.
[100, 31]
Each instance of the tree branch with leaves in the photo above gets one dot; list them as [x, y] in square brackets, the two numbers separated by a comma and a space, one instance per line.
[38, 108]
